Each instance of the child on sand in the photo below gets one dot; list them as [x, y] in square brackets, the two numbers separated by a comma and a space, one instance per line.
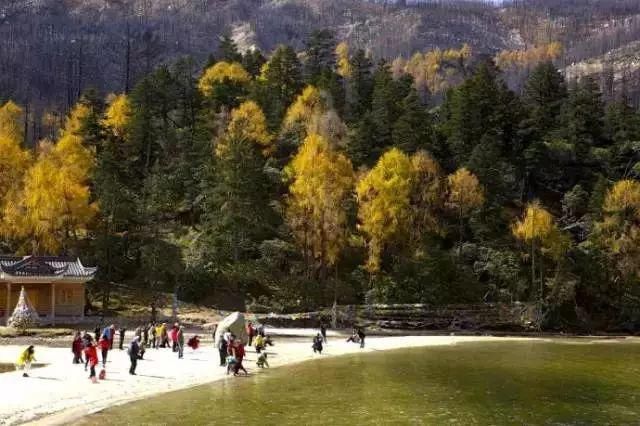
[259, 343]
[262, 360]
[24, 361]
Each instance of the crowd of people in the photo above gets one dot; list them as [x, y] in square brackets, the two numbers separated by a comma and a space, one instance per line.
[86, 347]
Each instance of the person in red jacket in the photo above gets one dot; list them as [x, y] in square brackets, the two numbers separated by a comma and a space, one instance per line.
[250, 332]
[105, 345]
[76, 348]
[91, 353]
[238, 353]
[174, 337]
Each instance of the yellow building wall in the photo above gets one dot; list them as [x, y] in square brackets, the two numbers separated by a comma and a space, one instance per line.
[69, 297]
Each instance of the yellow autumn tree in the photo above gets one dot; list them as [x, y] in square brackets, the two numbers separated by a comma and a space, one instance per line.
[384, 203]
[222, 72]
[308, 104]
[537, 228]
[465, 194]
[343, 64]
[427, 195]
[248, 123]
[118, 114]
[322, 180]
[618, 234]
[13, 159]
[54, 206]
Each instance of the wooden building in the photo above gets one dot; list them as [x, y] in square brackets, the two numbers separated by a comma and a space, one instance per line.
[55, 286]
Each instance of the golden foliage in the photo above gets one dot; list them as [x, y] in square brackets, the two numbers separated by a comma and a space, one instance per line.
[53, 205]
[537, 226]
[118, 114]
[465, 191]
[433, 70]
[619, 232]
[309, 103]
[384, 202]
[14, 161]
[321, 182]
[343, 63]
[222, 72]
[529, 57]
[427, 196]
[248, 122]
[624, 197]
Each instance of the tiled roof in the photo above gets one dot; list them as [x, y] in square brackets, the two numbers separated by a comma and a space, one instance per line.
[45, 266]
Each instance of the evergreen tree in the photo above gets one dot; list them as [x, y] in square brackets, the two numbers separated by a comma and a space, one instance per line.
[228, 50]
[413, 131]
[544, 95]
[252, 61]
[359, 87]
[279, 82]
[320, 56]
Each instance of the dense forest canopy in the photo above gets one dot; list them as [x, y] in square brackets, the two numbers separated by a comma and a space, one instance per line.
[320, 173]
[293, 184]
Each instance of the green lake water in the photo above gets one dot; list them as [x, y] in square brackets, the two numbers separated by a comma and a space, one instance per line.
[494, 383]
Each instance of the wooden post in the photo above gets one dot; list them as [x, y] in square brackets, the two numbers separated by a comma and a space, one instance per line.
[84, 300]
[53, 303]
[7, 312]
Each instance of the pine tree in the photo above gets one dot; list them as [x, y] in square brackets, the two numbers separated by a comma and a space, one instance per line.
[544, 95]
[359, 87]
[279, 82]
[413, 131]
[320, 56]
[228, 50]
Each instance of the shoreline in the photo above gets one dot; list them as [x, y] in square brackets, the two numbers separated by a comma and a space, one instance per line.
[75, 397]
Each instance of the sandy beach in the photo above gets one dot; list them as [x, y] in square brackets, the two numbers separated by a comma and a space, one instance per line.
[61, 391]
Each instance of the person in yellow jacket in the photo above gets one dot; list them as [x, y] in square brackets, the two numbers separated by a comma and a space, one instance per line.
[25, 359]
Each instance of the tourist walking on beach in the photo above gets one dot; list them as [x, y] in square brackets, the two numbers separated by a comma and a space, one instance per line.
[250, 332]
[121, 332]
[180, 341]
[76, 348]
[105, 344]
[323, 332]
[154, 335]
[109, 333]
[361, 336]
[174, 337]
[164, 336]
[238, 353]
[259, 343]
[145, 334]
[222, 349]
[25, 359]
[317, 344]
[134, 350]
[91, 354]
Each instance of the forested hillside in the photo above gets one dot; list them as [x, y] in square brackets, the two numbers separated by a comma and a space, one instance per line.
[290, 184]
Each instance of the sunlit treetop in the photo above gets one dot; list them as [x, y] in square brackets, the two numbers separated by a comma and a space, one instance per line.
[222, 72]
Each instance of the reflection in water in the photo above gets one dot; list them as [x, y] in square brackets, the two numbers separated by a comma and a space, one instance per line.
[475, 383]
